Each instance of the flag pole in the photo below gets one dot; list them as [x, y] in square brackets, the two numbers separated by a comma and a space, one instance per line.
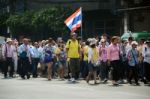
[81, 24]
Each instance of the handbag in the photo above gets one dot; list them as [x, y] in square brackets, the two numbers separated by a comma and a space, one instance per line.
[23, 54]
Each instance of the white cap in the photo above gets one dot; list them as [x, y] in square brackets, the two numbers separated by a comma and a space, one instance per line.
[93, 41]
[8, 40]
[102, 40]
[134, 43]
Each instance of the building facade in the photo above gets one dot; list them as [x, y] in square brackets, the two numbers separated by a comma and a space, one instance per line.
[113, 17]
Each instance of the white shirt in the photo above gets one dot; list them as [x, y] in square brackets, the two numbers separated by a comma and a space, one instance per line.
[90, 53]
[146, 51]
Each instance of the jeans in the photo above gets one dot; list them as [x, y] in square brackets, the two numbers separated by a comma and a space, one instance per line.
[104, 70]
[115, 70]
[75, 67]
[9, 62]
[147, 71]
[133, 73]
[35, 62]
[85, 69]
[25, 67]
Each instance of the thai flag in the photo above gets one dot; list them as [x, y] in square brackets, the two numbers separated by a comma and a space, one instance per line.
[74, 21]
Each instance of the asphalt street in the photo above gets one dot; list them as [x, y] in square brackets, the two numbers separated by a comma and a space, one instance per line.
[41, 88]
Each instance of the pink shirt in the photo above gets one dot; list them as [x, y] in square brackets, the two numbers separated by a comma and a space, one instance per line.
[103, 56]
[113, 52]
[7, 52]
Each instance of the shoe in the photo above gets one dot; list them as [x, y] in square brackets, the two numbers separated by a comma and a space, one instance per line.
[73, 80]
[105, 81]
[130, 82]
[87, 80]
[115, 83]
[5, 77]
[28, 76]
[95, 82]
[145, 81]
[49, 79]
[23, 77]
[137, 84]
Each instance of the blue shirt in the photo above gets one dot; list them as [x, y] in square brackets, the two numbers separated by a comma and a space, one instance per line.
[146, 51]
[49, 50]
[24, 48]
[132, 56]
[34, 52]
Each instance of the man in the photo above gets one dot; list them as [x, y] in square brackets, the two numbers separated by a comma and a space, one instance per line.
[129, 46]
[35, 57]
[146, 56]
[24, 54]
[7, 54]
[140, 59]
[73, 52]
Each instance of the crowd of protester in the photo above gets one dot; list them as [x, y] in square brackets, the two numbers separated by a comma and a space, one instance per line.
[103, 59]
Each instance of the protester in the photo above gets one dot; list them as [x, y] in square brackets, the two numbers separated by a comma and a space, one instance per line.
[61, 61]
[15, 56]
[93, 61]
[35, 58]
[73, 52]
[49, 57]
[132, 56]
[7, 53]
[146, 55]
[103, 59]
[25, 59]
[113, 59]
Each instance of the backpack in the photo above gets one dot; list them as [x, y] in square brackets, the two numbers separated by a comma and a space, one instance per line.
[23, 54]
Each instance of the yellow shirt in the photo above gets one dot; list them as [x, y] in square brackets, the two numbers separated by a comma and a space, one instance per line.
[85, 53]
[57, 51]
[95, 54]
[73, 47]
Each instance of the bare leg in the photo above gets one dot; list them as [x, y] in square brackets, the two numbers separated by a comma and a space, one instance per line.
[49, 70]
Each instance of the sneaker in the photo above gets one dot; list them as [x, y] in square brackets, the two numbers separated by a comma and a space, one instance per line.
[145, 81]
[137, 84]
[72, 79]
[105, 81]
[28, 76]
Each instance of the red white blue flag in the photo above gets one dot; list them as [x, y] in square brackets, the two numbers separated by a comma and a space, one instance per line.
[74, 21]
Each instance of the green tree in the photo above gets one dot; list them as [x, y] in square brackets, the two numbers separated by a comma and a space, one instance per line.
[20, 23]
[49, 21]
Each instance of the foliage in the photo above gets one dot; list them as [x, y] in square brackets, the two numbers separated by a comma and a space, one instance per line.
[50, 20]
[3, 18]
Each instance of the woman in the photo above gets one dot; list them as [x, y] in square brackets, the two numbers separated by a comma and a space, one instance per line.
[113, 59]
[42, 64]
[93, 59]
[61, 61]
[49, 57]
[15, 55]
[132, 56]
[146, 55]
[103, 59]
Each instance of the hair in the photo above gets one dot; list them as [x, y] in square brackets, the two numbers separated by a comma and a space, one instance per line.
[114, 38]
[93, 45]
[50, 40]
[130, 38]
[87, 42]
